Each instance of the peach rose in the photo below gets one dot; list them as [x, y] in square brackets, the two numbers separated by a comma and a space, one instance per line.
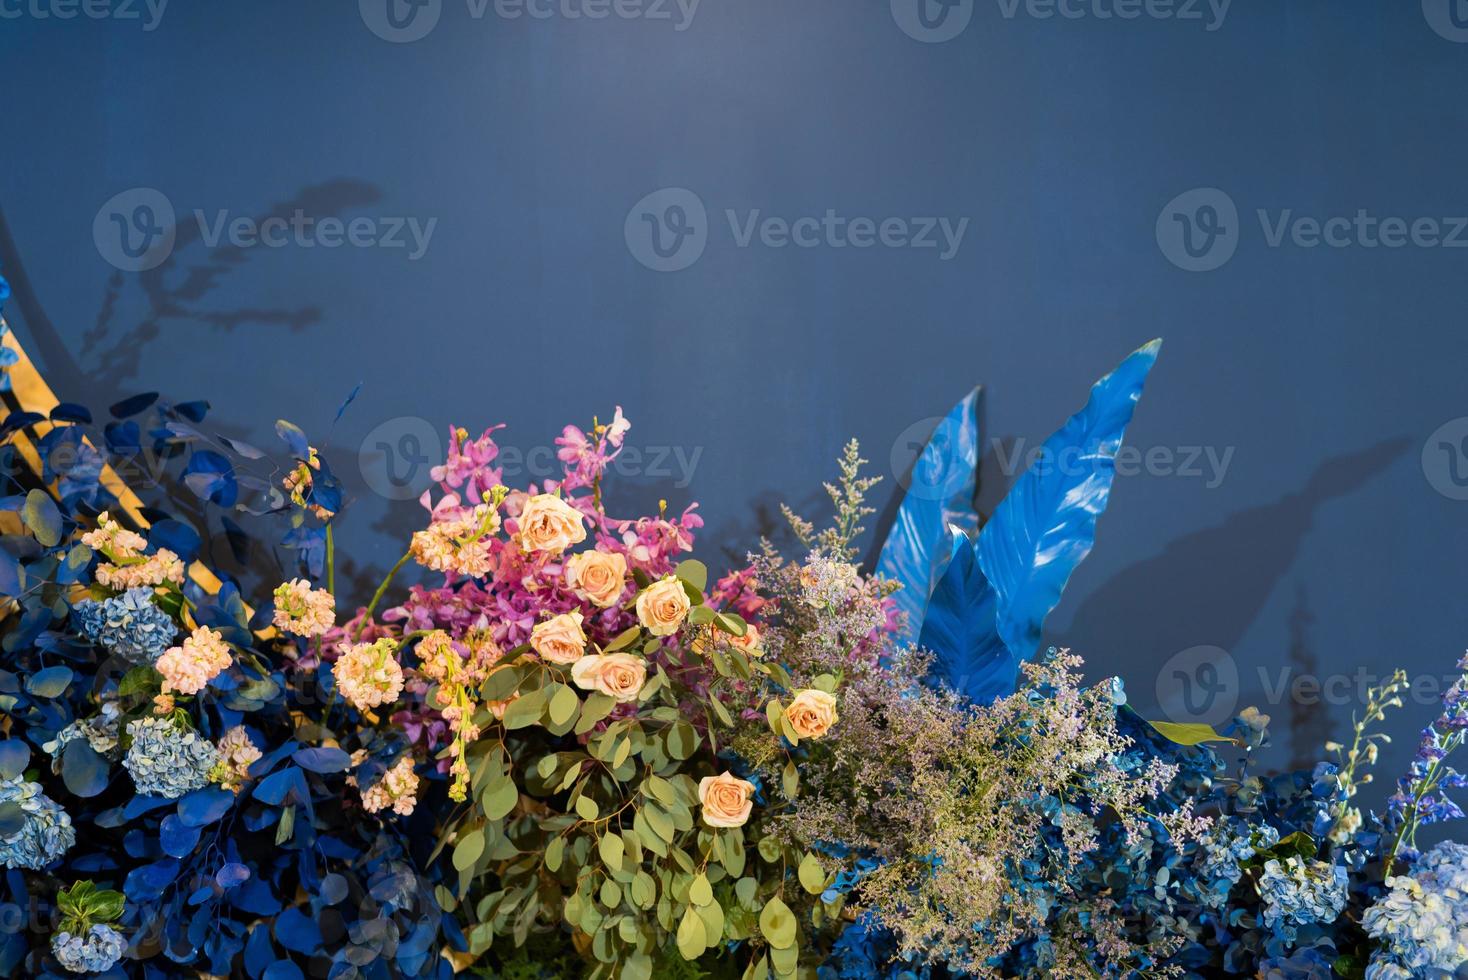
[560, 639]
[548, 523]
[748, 644]
[726, 800]
[600, 576]
[617, 675]
[663, 606]
[811, 713]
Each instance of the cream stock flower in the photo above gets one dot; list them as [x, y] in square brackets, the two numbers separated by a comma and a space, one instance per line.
[600, 576]
[617, 675]
[811, 713]
[302, 610]
[187, 669]
[727, 800]
[548, 523]
[368, 674]
[662, 606]
[559, 640]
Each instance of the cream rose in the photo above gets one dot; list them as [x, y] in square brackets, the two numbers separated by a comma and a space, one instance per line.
[600, 576]
[548, 523]
[617, 675]
[727, 800]
[560, 639]
[811, 713]
[663, 606]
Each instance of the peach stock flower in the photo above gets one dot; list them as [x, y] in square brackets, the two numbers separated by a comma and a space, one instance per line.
[188, 668]
[727, 800]
[396, 790]
[811, 713]
[548, 523]
[599, 576]
[662, 606]
[302, 610]
[157, 568]
[617, 675]
[368, 674]
[559, 640]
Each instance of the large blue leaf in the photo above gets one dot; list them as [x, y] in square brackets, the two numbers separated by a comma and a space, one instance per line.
[1046, 524]
[939, 492]
[961, 631]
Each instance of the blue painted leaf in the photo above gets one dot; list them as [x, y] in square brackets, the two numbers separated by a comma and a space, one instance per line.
[333, 888]
[12, 819]
[323, 759]
[84, 772]
[139, 805]
[292, 436]
[177, 537]
[49, 683]
[939, 491]
[296, 932]
[211, 476]
[232, 874]
[351, 397]
[193, 411]
[1046, 524]
[123, 438]
[15, 755]
[204, 806]
[147, 884]
[960, 629]
[283, 970]
[133, 405]
[277, 787]
[176, 837]
[71, 412]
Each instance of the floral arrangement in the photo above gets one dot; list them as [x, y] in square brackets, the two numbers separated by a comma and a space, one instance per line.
[566, 751]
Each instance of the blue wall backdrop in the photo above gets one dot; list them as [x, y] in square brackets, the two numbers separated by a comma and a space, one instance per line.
[531, 211]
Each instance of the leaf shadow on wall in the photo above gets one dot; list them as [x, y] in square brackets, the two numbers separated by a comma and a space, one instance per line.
[1208, 587]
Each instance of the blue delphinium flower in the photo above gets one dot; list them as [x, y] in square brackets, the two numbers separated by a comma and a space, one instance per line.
[96, 952]
[1422, 920]
[167, 761]
[128, 625]
[1297, 892]
[45, 832]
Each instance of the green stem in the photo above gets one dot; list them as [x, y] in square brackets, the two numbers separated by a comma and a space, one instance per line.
[330, 562]
[377, 596]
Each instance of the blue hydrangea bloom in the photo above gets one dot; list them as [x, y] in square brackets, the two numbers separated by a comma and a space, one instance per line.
[167, 761]
[128, 625]
[1220, 857]
[46, 832]
[1422, 920]
[1299, 893]
[96, 952]
[1307, 964]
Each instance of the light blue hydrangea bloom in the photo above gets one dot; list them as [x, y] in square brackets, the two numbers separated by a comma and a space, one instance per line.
[96, 952]
[1221, 855]
[1422, 920]
[46, 832]
[101, 732]
[128, 625]
[166, 761]
[1299, 893]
